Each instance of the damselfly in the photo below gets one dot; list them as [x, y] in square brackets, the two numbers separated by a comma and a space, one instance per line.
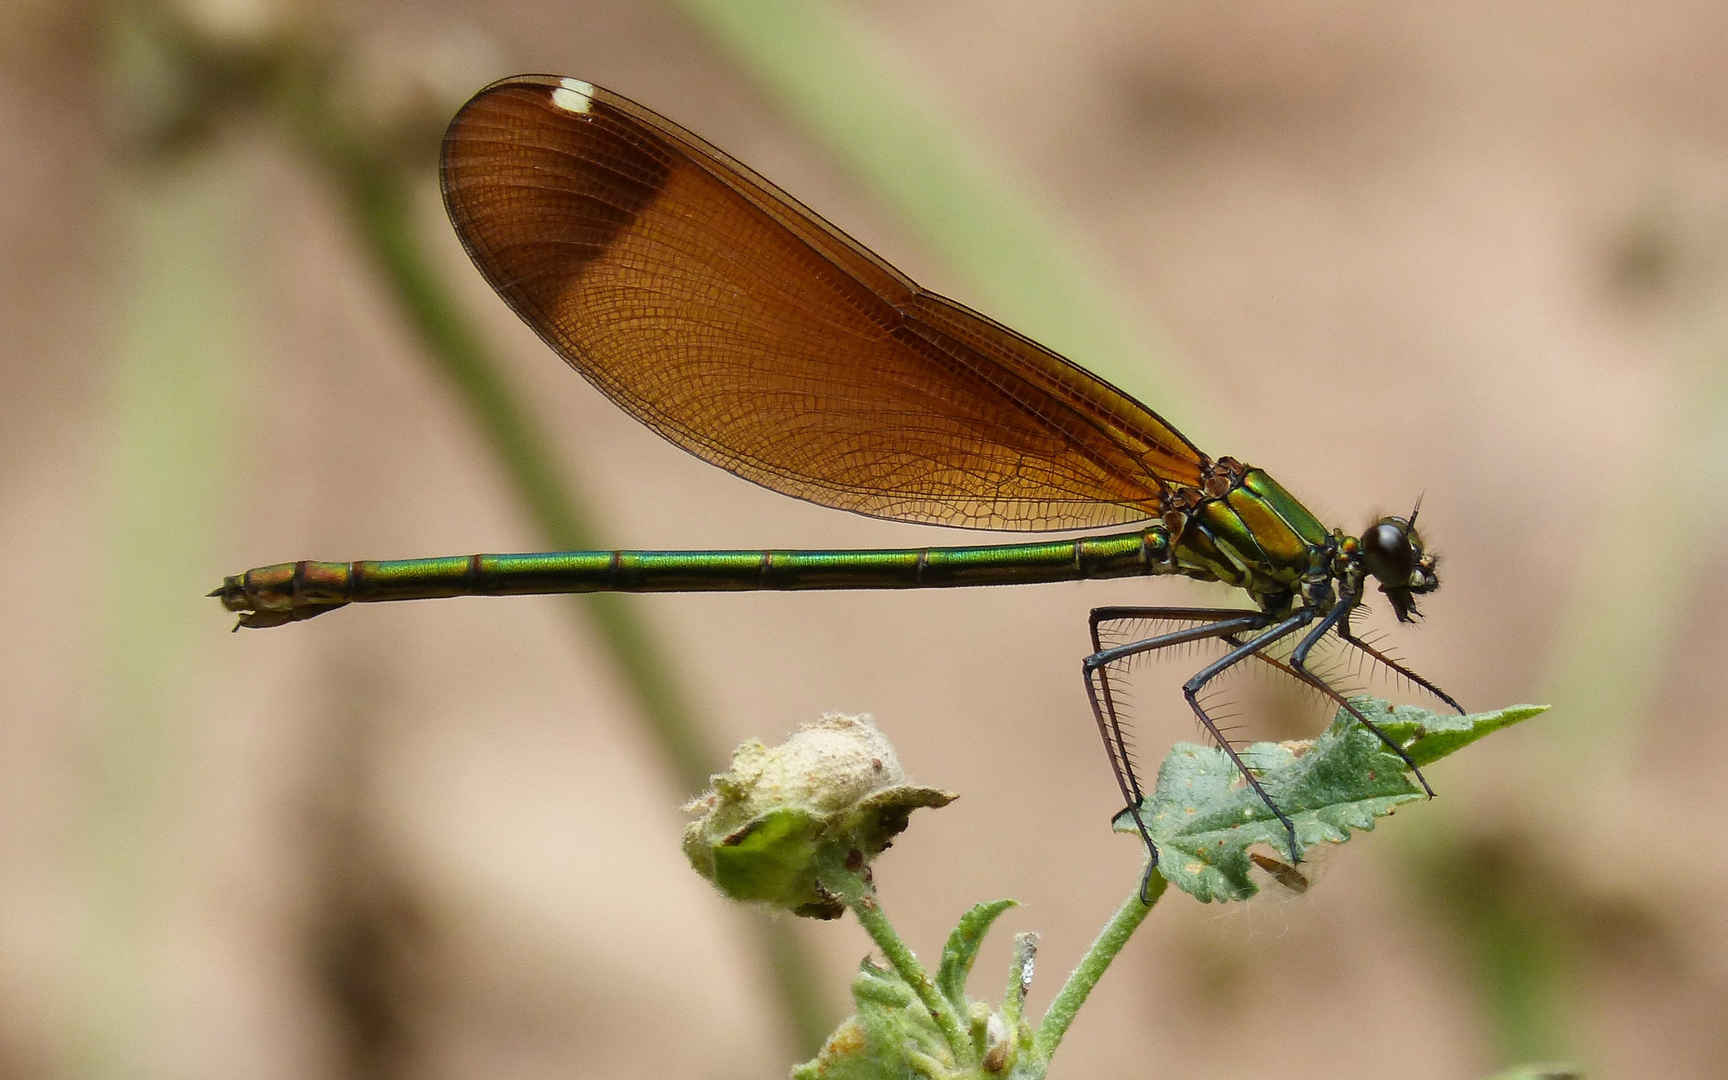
[741, 326]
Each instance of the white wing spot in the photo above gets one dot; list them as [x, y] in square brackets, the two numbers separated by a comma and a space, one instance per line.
[573, 95]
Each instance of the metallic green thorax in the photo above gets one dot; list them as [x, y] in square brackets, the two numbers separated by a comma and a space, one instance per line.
[1255, 536]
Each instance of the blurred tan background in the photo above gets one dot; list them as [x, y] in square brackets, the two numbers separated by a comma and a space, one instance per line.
[1474, 250]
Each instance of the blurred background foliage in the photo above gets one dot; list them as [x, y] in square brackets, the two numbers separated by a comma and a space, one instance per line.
[1479, 250]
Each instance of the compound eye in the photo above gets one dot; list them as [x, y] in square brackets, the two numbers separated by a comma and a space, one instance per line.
[1388, 553]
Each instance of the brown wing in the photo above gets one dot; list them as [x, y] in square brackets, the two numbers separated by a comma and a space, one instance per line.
[719, 311]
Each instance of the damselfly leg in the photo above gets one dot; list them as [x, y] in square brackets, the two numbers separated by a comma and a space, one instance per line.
[1246, 633]
[1222, 624]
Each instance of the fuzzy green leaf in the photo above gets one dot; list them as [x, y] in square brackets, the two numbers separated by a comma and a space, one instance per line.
[1205, 819]
[890, 1037]
[893, 1036]
[1428, 736]
[961, 951]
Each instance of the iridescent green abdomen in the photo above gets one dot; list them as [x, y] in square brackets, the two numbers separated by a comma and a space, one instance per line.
[291, 592]
[1256, 536]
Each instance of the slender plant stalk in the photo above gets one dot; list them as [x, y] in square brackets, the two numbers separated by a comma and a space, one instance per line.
[1129, 915]
[860, 899]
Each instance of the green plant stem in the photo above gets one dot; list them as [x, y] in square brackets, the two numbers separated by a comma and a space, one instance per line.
[1081, 981]
[378, 202]
[992, 226]
[860, 897]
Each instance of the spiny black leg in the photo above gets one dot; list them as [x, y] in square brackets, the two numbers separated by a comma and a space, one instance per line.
[1226, 621]
[1340, 614]
[1104, 615]
[1349, 636]
[1111, 731]
[1191, 690]
[1095, 670]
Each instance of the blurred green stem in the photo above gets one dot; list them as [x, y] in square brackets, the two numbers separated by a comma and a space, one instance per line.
[166, 378]
[379, 205]
[995, 229]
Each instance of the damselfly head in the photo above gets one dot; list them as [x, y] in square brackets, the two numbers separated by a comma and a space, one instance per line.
[1392, 551]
